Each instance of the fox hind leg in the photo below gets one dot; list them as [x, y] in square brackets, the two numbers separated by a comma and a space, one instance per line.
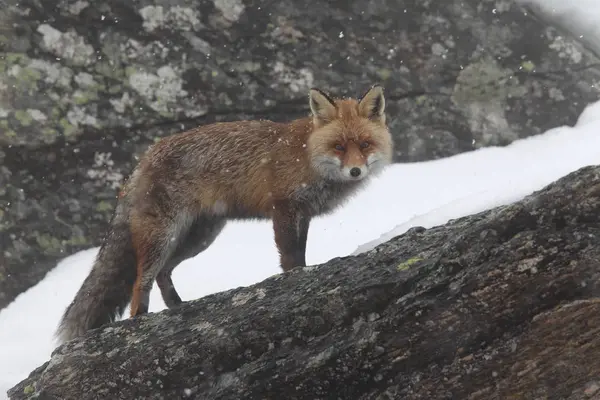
[200, 236]
[167, 289]
[155, 241]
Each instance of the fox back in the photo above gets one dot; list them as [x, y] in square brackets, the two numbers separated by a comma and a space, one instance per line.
[239, 169]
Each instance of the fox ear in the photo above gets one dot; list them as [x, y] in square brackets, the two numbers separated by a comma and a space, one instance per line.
[372, 104]
[322, 106]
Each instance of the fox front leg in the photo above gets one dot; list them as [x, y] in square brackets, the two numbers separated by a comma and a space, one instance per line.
[290, 223]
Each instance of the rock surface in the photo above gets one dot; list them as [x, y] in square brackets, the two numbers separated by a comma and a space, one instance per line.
[561, 14]
[502, 304]
[85, 86]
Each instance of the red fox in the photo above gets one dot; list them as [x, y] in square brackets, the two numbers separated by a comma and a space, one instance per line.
[182, 192]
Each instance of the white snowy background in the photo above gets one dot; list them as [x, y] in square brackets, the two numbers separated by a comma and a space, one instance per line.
[406, 195]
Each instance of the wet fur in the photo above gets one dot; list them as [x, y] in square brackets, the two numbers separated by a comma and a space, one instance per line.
[188, 185]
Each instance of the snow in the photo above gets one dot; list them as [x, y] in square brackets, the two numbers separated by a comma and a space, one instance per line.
[406, 195]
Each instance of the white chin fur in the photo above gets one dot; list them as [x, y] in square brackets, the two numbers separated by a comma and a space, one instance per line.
[331, 168]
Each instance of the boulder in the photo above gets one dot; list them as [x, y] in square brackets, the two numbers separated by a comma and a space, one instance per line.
[578, 19]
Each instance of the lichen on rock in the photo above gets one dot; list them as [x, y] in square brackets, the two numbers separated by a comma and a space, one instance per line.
[297, 81]
[482, 91]
[230, 9]
[181, 18]
[161, 89]
[68, 45]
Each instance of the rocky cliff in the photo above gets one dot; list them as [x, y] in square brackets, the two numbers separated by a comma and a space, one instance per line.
[502, 304]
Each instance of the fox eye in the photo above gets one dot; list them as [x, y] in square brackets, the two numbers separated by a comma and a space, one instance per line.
[364, 145]
[339, 147]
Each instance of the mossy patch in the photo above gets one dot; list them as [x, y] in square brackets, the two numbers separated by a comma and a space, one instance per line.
[9, 133]
[23, 117]
[403, 266]
[129, 71]
[56, 112]
[486, 81]
[528, 66]
[68, 128]
[384, 74]
[15, 66]
[76, 241]
[15, 58]
[83, 97]
[104, 206]
[47, 242]
[54, 245]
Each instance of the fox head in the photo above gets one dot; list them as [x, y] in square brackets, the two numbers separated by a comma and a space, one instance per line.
[350, 140]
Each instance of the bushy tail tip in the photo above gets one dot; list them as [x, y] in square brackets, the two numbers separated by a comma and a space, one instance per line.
[105, 292]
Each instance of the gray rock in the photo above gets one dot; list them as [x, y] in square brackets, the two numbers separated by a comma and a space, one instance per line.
[85, 86]
[570, 17]
[501, 304]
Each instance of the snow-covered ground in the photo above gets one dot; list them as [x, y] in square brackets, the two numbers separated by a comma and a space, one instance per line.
[419, 194]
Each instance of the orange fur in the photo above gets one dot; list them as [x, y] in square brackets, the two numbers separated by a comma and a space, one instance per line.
[136, 294]
[141, 243]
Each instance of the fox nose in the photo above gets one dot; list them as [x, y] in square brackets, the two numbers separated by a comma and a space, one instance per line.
[355, 172]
